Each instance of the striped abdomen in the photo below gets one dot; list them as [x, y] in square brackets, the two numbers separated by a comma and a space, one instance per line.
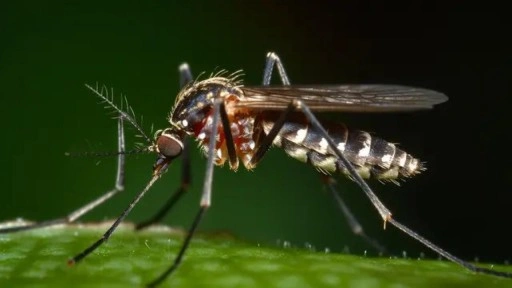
[371, 156]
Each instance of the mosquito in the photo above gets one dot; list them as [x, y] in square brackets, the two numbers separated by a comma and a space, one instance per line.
[233, 123]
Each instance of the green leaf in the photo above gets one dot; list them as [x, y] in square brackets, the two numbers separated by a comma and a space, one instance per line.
[38, 258]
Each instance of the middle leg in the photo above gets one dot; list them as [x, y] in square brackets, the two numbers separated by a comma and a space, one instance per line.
[185, 78]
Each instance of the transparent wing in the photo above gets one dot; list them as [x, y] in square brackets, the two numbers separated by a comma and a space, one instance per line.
[351, 98]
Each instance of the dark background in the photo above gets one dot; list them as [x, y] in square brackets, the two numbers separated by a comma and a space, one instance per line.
[462, 202]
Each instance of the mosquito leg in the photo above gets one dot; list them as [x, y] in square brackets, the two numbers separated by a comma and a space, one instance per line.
[355, 226]
[447, 255]
[185, 182]
[184, 247]
[384, 212]
[273, 59]
[226, 127]
[266, 142]
[205, 198]
[112, 228]
[185, 77]
[185, 74]
[352, 221]
[73, 216]
[77, 258]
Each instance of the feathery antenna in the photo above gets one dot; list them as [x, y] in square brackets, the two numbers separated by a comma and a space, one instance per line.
[126, 112]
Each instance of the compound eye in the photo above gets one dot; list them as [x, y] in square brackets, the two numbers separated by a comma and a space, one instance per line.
[169, 146]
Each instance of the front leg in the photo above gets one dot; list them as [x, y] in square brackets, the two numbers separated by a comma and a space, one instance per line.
[75, 215]
[185, 78]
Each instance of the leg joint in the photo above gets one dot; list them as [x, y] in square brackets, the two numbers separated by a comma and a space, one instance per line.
[297, 104]
[272, 55]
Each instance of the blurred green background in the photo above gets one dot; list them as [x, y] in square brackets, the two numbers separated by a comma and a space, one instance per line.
[48, 51]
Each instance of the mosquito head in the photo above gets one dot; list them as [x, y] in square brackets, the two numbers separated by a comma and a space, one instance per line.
[168, 145]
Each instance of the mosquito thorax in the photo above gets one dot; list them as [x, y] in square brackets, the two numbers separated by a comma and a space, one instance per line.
[194, 103]
[193, 114]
